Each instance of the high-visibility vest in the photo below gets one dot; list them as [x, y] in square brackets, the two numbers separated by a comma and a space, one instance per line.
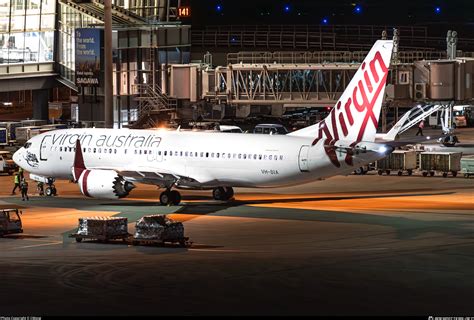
[17, 179]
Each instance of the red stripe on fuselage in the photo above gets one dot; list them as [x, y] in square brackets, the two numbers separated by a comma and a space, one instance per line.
[84, 183]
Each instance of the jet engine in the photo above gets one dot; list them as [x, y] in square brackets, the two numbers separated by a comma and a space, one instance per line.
[104, 184]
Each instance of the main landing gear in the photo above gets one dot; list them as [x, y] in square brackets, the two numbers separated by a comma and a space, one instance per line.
[170, 197]
[222, 193]
[173, 197]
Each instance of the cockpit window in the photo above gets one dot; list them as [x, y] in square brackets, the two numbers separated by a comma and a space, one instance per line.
[27, 145]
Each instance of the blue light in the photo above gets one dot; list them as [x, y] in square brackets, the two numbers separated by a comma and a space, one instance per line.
[438, 10]
[219, 8]
[287, 8]
[325, 21]
[358, 9]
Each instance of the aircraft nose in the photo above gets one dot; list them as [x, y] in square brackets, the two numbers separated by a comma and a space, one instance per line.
[17, 156]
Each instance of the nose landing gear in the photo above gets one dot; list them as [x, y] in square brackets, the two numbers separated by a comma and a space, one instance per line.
[223, 194]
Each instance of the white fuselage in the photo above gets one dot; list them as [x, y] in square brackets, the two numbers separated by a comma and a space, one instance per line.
[210, 159]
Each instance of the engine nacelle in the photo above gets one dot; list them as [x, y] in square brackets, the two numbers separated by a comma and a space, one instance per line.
[104, 184]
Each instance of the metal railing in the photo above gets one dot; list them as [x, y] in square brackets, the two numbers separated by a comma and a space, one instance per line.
[294, 57]
[152, 101]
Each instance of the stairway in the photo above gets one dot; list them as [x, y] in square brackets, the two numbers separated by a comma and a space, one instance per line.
[153, 105]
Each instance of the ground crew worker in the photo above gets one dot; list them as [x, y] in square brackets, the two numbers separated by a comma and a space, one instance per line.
[40, 188]
[24, 189]
[420, 128]
[16, 180]
[20, 172]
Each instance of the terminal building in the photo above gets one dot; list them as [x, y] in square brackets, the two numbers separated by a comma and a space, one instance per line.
[167, 70]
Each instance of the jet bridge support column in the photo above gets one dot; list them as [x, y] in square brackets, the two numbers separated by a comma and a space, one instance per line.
[40, 104]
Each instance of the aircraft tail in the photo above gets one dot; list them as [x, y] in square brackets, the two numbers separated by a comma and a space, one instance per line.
[78, 167]
[355, 116]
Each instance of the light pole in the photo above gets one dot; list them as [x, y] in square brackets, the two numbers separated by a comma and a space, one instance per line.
[108, 88]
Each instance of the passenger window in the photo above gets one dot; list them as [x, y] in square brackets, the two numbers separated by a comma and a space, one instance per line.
[202, 154]
[95, 150]
[275, 157]
[212, 155]
[229, 155]
[159, 153]
[60, 148]
[245, 156]
[265, 157]
[196, 154]
[281, 157]
[270, 157]
[144, 152]
[115, 151]
[255, 157]
[166, 152]
[240, 155]
[207, 154]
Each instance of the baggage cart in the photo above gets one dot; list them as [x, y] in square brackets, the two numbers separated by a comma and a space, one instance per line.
[467, 166]
[102, 229]
[159, 229]
[442, 162]
[399, 160]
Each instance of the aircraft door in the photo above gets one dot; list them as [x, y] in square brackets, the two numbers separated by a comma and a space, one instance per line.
[303, 159]
[43, 148]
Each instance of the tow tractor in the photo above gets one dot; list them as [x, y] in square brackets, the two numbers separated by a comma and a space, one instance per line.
[10, 221]
[6, 163]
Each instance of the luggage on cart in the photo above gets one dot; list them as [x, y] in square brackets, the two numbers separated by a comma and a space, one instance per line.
[102, 228]
[159, 228]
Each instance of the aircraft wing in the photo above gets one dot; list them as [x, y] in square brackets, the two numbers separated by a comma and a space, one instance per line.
[151, 175]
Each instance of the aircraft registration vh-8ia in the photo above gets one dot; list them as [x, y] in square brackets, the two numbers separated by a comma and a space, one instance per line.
[106, 162]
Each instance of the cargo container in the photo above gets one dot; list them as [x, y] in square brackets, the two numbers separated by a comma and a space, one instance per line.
[24, 134]
[398, 160]
[467, 166]
[11, 129]
[3, 137]
[443, 162]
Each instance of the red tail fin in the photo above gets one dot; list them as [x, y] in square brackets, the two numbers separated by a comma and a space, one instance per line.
[78, 166]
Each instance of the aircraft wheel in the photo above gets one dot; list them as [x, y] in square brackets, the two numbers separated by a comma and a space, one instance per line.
[425, 174]
[455, 173]
[229, 192]
[165, 198]
[219, 193]
[380, 172]
[445, 174]
[49, 191]
[432, 173]
[400, 173]
[387, 172]
[410, 172]
[175, 197]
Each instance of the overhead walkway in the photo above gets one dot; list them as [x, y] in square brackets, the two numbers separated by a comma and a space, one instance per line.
[95, 9]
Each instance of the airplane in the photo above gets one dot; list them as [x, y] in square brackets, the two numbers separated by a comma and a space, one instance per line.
[106, 163]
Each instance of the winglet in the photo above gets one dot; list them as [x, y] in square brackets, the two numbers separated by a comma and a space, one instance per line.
[78, 166]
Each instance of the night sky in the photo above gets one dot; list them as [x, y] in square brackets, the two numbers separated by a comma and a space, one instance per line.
[401, 12]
